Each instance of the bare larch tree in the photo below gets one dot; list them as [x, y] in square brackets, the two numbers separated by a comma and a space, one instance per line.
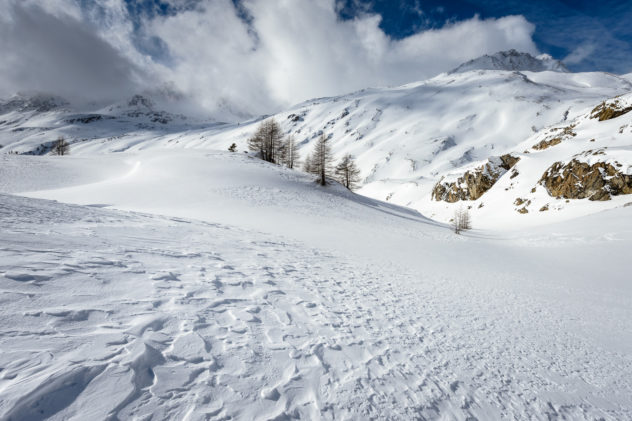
[289, 152]
[321, 160]
[347, 172]
[267, 140]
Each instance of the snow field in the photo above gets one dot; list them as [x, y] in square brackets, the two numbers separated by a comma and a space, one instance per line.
[258, 295]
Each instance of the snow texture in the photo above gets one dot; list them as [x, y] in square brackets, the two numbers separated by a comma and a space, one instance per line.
[198, 285]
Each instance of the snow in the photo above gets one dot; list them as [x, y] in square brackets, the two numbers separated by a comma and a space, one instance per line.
[404, 139]
[152, 274]
[512, 60]
[192, 284]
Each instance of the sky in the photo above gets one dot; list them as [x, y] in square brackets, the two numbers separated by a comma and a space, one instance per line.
[238, 58]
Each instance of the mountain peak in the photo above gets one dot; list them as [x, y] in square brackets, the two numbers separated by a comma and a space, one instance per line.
[514, 61]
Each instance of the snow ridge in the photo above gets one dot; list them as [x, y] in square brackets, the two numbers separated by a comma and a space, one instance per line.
[512, 60]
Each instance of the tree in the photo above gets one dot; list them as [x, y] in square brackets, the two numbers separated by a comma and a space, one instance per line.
[461, 221]
[289, 152]
[267, 140]
[61, 147]
[321, 160]
[232, 147]
[347, 172]
[308, 164]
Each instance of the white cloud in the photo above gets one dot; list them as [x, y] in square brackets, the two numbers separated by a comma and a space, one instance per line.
[291, 50]
[581, 53]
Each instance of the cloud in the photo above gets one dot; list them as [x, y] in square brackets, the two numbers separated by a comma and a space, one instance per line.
[46, 50]
[580, 54]
[295, 50]
[251, 59]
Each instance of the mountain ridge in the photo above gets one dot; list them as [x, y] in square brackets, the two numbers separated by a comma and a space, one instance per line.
[512, 60]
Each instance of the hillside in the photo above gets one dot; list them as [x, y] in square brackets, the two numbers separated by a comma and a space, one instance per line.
[196, 285]
[406, 139]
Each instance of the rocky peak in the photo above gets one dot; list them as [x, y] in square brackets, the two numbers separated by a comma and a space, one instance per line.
[512, 60]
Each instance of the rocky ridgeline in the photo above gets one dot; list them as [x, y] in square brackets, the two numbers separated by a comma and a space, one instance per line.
[474, 183]
[580, 180]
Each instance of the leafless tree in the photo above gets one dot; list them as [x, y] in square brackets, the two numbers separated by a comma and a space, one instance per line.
[233, 147]
[308, 164]
[61, 147]
[321, 160]
[289, 152]
[267, 140]
[347, 172]
[462, 220]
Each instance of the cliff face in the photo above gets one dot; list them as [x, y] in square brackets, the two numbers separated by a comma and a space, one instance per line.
[474, 183]
[580, 180]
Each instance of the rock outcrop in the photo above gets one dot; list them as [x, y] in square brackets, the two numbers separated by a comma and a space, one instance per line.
[556, 136]
[474, 183]
[608, 110]
[580, 180]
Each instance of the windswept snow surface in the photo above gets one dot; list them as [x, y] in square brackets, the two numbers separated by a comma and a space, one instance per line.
[245, 291]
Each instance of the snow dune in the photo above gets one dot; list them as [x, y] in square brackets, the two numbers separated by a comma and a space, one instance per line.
[208, 285]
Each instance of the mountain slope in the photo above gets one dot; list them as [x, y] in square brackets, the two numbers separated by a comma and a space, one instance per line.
[329, 306]
[405, 139]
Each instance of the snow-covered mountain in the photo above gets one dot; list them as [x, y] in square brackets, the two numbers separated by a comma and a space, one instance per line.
[512, 60]
[152, 274]
[405, 139]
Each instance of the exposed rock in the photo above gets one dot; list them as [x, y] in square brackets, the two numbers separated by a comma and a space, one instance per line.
[512, 60]
[547, 143]
[520, 201]
[40, 102]
[544, 208]
[555, 137]
[86, 118]
[580, 180]
[608, 110]
[474, 183]
[140, 101]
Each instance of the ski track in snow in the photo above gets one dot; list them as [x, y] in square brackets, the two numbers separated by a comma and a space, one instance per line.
[118, 315]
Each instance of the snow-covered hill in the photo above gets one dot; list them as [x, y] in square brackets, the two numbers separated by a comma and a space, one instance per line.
[405, 139]
[245, 291]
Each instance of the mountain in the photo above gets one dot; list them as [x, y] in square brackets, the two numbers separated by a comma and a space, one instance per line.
[405, 139]
[512, 60]
[152, 274]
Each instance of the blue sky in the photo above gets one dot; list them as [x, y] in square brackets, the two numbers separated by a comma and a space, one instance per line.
[601, 29]
[590, 35]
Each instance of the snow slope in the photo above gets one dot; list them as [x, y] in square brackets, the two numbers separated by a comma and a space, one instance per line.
[405, 139]
[325, 305]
